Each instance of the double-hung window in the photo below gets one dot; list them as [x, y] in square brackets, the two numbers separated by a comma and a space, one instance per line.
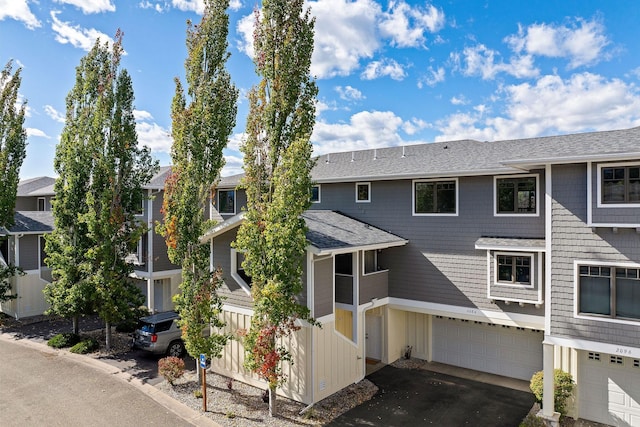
[516, 195]
[227, 201]
[620, 184]
[609, 291]
[435, 197]
[315, 194]
[363, 192]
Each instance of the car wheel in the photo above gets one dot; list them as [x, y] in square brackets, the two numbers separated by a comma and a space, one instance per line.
[175, 349]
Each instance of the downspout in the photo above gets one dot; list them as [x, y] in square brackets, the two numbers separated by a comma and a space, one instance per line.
[16, 248]
[311, 305]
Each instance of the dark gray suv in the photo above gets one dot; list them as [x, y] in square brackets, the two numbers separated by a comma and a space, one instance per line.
[160, 334]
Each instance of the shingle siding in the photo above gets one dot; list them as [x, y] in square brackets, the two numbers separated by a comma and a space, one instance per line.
[573, 240]
[440, 264]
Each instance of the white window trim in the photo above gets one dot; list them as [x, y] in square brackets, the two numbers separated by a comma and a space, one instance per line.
[142, 203]
[576, 283]
[516, 215]
[599, 186]
[234, 201]
[319, 193]
[413, 197]
[234, 274]
[532, 279]
[368, 200]
[376, 271]
[44, 204]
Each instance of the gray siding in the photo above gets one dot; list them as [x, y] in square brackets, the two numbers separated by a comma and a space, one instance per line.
[233, 293]
[160, 258]
[440, 264]
[323, 291]
[374, 285]
[30, 203]
[608, 215]
[573, 240]
[29, 253]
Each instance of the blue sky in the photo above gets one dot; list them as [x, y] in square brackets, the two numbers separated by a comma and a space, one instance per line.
[389, 72]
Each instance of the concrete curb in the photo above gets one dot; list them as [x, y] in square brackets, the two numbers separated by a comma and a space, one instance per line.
[180, 409]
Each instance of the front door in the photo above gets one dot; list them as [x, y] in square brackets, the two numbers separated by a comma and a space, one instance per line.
[374, 337]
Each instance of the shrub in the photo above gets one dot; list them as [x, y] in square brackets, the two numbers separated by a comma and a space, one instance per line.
[85, 346]
[197, 393]
[562, 385]
[171, 368]
[66, 339]
[532, 420]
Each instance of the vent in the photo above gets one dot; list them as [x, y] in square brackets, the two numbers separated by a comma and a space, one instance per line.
[594, 356]
[636, 363]
[616, 360]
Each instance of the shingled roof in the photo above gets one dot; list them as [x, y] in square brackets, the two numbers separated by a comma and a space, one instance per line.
[39, 186]
[32, 222]
[470, 157]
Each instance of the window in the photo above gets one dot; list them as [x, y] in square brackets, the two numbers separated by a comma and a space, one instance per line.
[227, 201]
[344, 264]
[609, 291]
[370, 262]
[240, 268]
[238, 272]
[620, 184]
[435, 197]
[363, 192]
[315, 194]
[517, 195]
[513, 269]
[140, 210]
[42, 204]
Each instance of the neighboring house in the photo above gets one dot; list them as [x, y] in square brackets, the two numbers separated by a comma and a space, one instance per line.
[24, 247]
[156, 276]
[505, 257]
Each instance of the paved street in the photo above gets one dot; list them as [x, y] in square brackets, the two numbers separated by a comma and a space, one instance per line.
[47, 388]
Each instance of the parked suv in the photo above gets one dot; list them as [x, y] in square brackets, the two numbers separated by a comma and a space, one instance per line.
[160, 334]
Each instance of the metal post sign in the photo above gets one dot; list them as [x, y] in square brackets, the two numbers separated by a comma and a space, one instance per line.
[203, 361]
[203, 365]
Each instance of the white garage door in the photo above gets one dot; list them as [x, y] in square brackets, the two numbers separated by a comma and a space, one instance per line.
[502, 350]
[609, 389]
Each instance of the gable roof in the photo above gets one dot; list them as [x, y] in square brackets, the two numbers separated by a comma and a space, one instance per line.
[32, 222]
[328, 232]
[470, 157]
[39, 186]
[157, 181]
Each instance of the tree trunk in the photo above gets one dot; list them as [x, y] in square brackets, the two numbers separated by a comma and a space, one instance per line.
[272, 401]
[76, 325]
[107, 331]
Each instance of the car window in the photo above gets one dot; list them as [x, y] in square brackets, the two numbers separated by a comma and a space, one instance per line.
[163, 326]
[146, 327]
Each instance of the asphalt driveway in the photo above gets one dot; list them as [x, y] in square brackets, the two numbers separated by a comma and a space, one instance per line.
[416, 397]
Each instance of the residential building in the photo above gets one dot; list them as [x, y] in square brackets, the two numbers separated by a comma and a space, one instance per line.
[157, 278]
[506, 257]
[23, 245]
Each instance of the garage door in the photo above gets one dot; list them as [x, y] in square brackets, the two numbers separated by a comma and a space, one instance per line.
[502, 350]
[609, 389]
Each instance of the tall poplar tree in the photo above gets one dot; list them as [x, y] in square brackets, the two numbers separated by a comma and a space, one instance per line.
[13, 144]
[201, 128]
[277, 180]
[102, 172]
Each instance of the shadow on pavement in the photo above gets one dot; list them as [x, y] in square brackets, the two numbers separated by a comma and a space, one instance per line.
[411, 397]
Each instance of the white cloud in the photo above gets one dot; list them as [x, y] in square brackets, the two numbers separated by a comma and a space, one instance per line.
[406, 25]
[37, 133]
[154, 136]
[233, 164]
[91, 6]
[482, 61]
[414, 125]
[235, 4]
[345, 33]
[366, 129]
[54, 114]
[432, 78]
[77, 36]
[385, 67]
[582, 102]
[582, 42]
[196, 6]
[158, 7]
[18, 10]
[349, 93]
[459, 100]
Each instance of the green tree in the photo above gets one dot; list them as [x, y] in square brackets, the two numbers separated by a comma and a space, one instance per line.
[13, 144]
[200, 132]
[277, 180]
[101, 174]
